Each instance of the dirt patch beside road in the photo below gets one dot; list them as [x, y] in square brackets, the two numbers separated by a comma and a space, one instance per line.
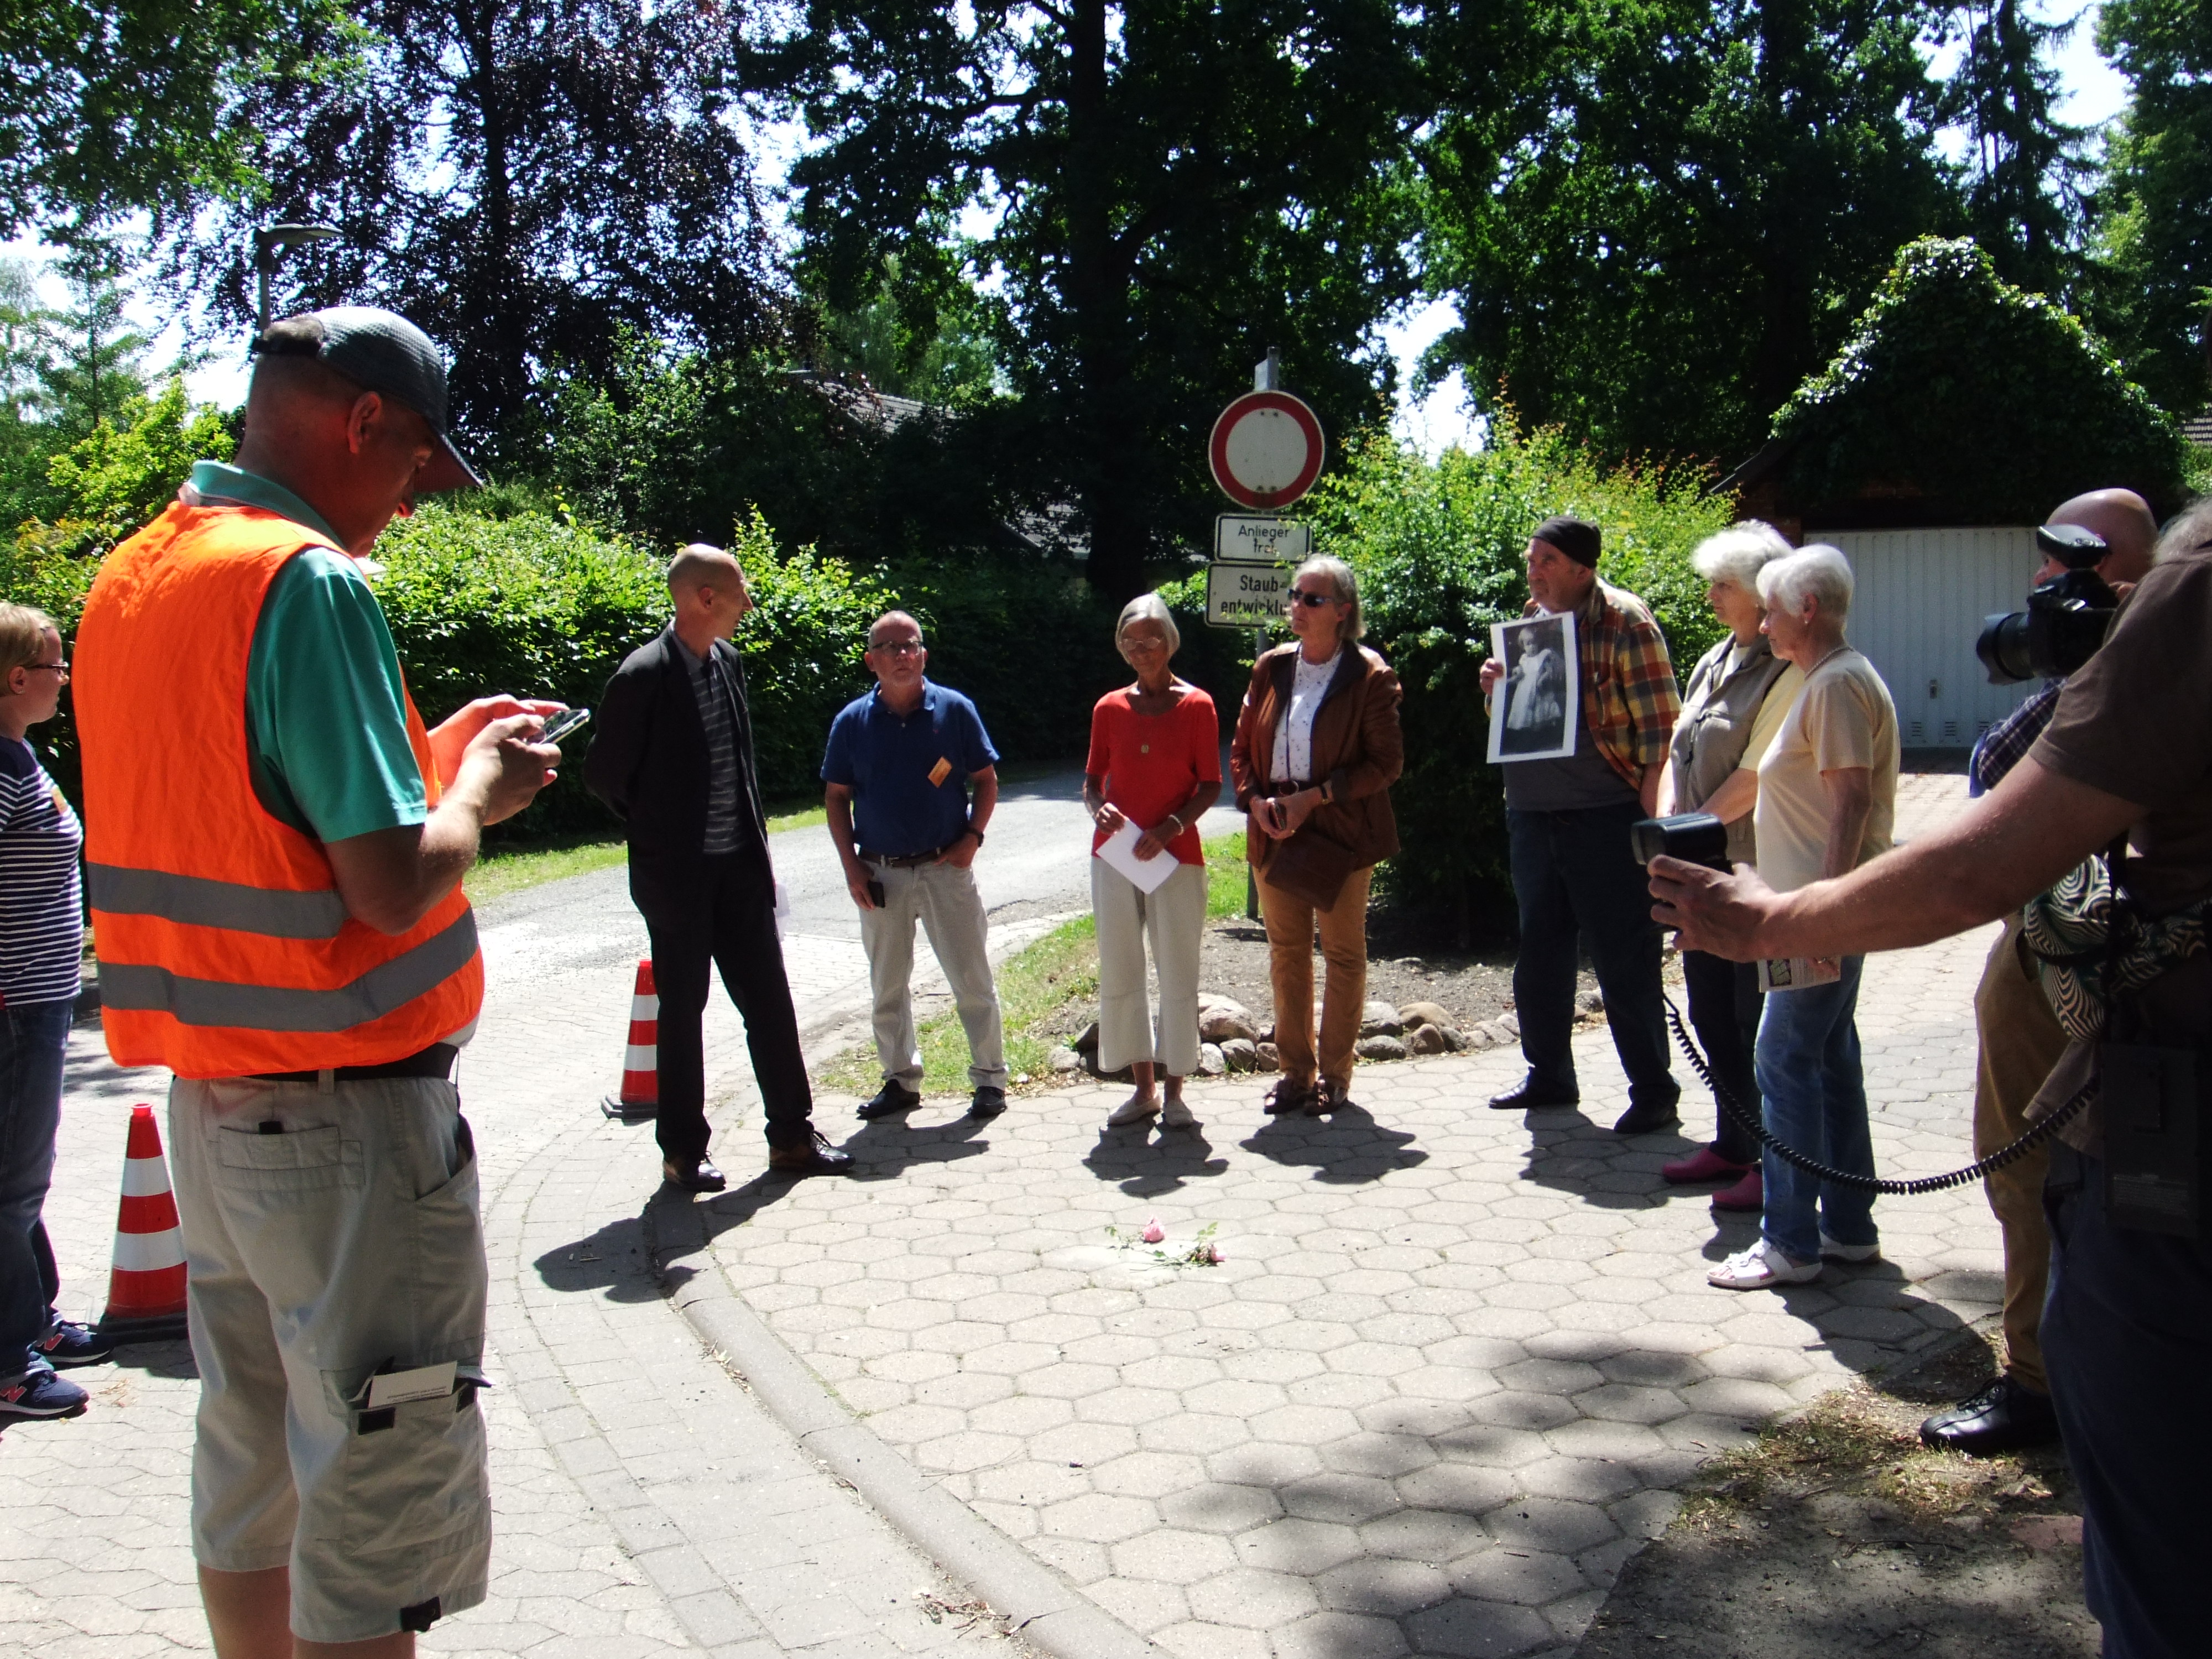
[1838, 1534]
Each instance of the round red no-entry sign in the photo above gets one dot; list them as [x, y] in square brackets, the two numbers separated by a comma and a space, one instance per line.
[1266, 450]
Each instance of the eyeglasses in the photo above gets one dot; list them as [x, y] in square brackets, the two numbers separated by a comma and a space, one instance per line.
[60, 668]
[1307, 597]
[898, 648]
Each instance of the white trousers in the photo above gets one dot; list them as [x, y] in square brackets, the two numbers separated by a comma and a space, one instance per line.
[1173, 919]
[944, 899]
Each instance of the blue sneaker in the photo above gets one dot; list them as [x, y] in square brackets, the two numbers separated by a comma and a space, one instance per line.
[67, 1343]
[39, 1393]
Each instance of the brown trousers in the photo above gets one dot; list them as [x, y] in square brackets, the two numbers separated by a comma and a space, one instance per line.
[1290, 921]
[2021, 1042]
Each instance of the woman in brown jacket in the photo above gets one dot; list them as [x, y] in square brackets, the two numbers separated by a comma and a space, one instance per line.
[1317, 750]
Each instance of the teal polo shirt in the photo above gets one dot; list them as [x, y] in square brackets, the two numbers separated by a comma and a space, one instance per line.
[325, 709]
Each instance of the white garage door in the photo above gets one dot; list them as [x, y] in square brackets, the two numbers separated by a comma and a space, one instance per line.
[1918, 606]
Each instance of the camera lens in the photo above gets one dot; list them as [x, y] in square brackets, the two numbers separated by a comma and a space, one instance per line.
[2004, 649]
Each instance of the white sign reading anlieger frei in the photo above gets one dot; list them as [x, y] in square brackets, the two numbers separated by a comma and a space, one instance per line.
[1247, 595]
[1242, 539]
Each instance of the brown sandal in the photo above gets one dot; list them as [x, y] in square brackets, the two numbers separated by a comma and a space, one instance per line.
[1289, 1095]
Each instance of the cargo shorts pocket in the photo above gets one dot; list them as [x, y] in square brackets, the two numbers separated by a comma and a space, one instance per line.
[263, 1158]
[410, 1474]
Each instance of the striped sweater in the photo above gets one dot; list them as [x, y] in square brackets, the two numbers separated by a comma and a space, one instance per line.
[41, 902]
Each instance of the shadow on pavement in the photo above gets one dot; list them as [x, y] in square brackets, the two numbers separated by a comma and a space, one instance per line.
[1144, 1167]
[885, 1147]
[1346, 1148]
[613, 1261]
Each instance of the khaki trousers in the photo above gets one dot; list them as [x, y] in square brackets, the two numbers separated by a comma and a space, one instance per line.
[2021, 1040]
[1172, 919]
[1291, 924]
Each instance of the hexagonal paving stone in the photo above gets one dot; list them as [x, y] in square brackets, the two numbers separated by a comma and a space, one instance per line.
[1219, 1508]
[1253, 1599]
[1465, 1629]
[1346, 1499]
[1097, 1518]
[1170, 1556]
[1304, 1547]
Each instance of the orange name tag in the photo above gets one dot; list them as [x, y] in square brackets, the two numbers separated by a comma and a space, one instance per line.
[942, 770]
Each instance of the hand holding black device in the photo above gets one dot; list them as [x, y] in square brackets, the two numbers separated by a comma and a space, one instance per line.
[559, 725]
[1693, 837]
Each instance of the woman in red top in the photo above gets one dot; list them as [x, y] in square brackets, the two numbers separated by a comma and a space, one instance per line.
[1155, 763]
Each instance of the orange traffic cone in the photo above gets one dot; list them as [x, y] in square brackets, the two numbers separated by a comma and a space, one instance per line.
[640, 1082]
[146, 1289]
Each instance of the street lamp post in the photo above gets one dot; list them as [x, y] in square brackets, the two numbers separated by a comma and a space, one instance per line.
[270, 241]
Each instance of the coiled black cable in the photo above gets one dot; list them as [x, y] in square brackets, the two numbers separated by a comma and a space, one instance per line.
[2036, 1134]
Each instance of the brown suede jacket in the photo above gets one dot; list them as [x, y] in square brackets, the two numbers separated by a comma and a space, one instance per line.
[1357, 748]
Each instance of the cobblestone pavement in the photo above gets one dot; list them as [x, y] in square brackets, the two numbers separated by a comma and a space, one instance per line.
[1454, 1368]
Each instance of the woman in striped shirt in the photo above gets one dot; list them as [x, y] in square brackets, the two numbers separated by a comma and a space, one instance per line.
[41, 943]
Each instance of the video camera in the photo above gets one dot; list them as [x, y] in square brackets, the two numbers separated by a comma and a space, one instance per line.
[2066, 617]
[1693, 837]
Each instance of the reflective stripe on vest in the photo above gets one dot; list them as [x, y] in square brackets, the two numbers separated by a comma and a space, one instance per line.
[378, 992]
[205, 903]
[225, 947]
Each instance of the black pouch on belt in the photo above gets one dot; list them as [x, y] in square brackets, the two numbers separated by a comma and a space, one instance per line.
[2150, 1099]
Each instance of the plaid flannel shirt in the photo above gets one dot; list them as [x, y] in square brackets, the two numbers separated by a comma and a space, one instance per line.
[1630, 700]
[2004, 744]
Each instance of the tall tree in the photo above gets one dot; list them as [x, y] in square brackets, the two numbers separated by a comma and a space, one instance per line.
[2154, 201]
[523, 177]
[2025, 168]
[1177, 184]
[111, 107]
[1657, 219]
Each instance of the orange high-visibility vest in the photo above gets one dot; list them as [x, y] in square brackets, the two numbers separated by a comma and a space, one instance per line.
[224, 946]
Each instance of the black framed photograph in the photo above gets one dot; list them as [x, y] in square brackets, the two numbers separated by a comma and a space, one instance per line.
[1533, 708]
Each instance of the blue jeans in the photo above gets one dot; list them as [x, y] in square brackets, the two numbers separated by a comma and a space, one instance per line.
[33, 1036]
[1807, 1062]
[1578, 886]
[2127, 1336]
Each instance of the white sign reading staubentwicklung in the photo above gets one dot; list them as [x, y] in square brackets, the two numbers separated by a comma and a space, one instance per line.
[1247, 595]
[1238, 539]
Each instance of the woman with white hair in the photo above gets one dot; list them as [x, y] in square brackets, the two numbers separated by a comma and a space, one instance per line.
[1156, 762]
[1827, 796]
[1732, 706]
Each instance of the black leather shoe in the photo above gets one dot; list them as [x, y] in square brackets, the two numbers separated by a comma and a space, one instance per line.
[1528, 1095]
[2003, 1417]
[989, 1102]
[1642, 1119]
[693, 1175]
[893, 1097]
[817, 1157]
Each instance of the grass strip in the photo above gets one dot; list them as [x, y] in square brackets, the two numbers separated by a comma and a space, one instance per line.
[1039, 987]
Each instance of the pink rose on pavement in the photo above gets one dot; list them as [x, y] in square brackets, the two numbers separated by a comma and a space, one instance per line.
[1153, 1232]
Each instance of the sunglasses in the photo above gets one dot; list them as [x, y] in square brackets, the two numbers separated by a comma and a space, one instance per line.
[1311, 600]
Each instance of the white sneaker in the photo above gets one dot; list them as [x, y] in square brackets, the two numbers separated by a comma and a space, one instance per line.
[1174, 1114]
[1760, 1266]
[1135, 1109]
[1832, 1251]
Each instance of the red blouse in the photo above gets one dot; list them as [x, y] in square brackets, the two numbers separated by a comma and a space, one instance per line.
[1153, 763]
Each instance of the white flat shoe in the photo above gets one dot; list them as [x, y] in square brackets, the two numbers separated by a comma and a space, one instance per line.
[1831, 1251]
[1135, 1109]
[1174, 1114]
[1759, 1267]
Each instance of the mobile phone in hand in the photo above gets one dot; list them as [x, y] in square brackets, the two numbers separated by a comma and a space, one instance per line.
[559, 725]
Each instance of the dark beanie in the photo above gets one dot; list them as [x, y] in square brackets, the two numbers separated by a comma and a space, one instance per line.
[1575, 537]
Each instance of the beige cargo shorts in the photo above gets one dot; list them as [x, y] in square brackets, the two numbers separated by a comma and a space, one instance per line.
[332, 1234]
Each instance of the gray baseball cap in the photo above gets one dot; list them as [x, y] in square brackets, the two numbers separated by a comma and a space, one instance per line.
[380, 351]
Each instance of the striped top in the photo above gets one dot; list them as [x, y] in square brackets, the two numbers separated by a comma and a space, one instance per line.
[718, 714]
[41, 902]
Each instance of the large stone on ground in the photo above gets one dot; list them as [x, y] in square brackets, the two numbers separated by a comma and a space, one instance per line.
[1066, 1059]
[1086, 1041]
[1380, 1048]
[1380, 1018]
[1426, 1040]
[1210, 1060]
[1239, 1054]
[1271, 1058]
[1423, 1013]
[1220, 1022]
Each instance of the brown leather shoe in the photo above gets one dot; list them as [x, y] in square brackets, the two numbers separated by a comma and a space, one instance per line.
[817, 1158]
[693, 1175]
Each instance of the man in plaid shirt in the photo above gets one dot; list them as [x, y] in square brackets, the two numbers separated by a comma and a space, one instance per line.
[1575, 881]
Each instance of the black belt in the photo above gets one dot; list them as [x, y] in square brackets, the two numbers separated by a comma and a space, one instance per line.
[1272, 789]
[436, 1061]
[910, 859]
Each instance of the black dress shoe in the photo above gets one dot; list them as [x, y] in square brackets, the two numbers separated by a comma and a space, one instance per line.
[693, 1175]
[1642, 1119]
[893, 1097]
[989, 1102]
[817, 1157]
[2002, 1416]
[1528, 1095]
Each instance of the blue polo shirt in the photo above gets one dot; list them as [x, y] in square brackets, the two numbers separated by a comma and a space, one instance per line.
[909, 774]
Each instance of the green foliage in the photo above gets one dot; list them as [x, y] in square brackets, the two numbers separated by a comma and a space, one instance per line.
[1438, 550]
[1985, 402]
[115, 479]
[2151, 295]
[1656, 218]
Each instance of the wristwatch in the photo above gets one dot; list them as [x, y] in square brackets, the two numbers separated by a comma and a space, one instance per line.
[970, 830]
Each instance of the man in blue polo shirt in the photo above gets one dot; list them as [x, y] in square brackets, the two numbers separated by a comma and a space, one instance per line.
[898, 774]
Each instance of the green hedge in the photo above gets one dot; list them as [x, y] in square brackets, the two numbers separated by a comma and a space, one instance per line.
[1438, 551]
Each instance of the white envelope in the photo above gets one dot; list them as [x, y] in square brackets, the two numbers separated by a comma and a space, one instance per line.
[1120, 850]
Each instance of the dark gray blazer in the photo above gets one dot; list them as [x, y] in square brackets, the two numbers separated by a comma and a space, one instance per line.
[649, 755]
